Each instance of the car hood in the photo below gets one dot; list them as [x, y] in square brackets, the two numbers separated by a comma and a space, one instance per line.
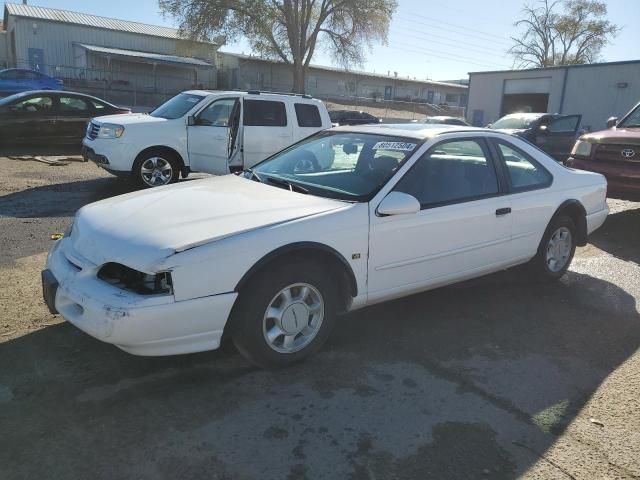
[142, 229]
[129, 119]
[615, 136]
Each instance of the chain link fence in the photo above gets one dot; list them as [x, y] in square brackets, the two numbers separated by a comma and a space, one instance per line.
[140, 90]
[144, 89]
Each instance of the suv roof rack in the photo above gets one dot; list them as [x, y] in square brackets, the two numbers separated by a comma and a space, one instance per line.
[258, 92]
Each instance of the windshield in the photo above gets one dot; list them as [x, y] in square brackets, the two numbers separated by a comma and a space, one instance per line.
[514, 122]
[632, 120]
[342, 165]
[177, 106]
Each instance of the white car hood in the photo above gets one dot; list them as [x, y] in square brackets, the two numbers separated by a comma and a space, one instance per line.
[142, 229]
[129, 119]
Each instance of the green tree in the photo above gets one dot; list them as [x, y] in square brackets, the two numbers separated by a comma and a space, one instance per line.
[289, 30]
[562, 32]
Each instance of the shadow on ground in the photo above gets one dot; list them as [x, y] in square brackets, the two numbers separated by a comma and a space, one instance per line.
[620, 235]
[464, 382]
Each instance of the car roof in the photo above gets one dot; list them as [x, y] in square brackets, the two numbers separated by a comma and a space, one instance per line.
[252, 94]
[419, 131]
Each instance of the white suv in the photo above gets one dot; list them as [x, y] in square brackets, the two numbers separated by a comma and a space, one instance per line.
[203, 131]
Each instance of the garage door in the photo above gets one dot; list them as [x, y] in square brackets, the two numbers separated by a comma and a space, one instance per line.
[527, 85]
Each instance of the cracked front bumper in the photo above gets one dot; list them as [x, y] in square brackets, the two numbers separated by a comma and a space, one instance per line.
[138, 324]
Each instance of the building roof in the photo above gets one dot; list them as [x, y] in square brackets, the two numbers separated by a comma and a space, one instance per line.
[561, 67]
[66, 16]
[354, 72]
[151, 57]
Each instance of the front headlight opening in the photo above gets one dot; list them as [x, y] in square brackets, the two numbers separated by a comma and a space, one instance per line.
[108, 130]
[582, 149]
[126, 278]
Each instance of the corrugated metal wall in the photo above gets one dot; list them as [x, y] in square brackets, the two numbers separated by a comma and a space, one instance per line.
[256, 74]
[596, 91]
[602, 92]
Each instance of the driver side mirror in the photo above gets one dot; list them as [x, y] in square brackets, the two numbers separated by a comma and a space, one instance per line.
[191, 121]
[398, 203]
[612, 122]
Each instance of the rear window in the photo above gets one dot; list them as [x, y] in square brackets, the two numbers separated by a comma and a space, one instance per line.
[264, 113]
[308, 115]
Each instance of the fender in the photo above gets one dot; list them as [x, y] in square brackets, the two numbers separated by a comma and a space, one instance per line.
[574, 205]
[308, 247]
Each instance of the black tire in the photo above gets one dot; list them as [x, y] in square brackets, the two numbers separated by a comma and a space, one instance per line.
[545, 269]
[164, 157]
[247, 319]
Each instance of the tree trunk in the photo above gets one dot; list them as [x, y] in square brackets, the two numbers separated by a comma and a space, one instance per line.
[298, 78]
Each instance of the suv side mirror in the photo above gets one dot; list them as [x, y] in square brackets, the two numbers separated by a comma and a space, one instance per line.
[612, 122]
[398, 203]
[191, 121]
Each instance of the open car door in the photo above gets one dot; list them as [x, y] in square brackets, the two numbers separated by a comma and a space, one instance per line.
[560, 135]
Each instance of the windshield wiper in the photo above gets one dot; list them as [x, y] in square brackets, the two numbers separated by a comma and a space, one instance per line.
[253, 175]
[294, 187]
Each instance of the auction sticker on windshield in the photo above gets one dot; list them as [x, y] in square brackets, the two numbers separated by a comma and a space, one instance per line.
[406, 147]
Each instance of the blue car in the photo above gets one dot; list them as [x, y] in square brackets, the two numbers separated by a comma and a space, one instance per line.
[14, 80]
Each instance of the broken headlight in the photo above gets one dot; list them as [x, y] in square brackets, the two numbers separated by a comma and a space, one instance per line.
[126, 278]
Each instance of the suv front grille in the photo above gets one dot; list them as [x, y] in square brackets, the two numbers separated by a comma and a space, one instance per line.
[92, 131]
[614, 153]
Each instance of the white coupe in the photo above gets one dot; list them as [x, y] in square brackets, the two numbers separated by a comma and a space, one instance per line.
[346, 218]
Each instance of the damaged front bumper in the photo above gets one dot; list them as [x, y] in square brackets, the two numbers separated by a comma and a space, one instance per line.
[138, 324]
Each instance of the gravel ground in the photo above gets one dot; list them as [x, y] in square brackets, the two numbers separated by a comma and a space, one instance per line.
[494, 378]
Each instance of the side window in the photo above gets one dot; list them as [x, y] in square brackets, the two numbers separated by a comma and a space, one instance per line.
[264, 113]
[524, 172]
[33, 105]
[564, 124]
[307, 115]
[73, 105]
[217, 114]
[451, 172]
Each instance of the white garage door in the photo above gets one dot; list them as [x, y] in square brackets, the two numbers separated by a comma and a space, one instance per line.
[528, 85]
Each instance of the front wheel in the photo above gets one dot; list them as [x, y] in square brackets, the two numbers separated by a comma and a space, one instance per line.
[284, 315]
[556, 249]
[155, 169]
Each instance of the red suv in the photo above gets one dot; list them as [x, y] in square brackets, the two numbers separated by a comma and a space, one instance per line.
[615, 153]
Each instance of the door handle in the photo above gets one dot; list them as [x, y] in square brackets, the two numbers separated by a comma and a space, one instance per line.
[503, 211]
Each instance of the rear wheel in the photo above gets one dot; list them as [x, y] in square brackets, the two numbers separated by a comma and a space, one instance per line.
[155, 169]
[556, 249]
[284, 315]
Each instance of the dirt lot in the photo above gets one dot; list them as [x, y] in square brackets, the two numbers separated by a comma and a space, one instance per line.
[495, 378]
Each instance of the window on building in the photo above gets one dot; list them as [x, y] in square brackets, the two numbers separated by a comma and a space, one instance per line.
[451, 172]
[264, 113]
[307, 115]
[524, 172]
[451, 98]
[73, 104]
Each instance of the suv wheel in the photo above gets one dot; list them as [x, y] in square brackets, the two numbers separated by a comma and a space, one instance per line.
[155, 169]
[284, 316]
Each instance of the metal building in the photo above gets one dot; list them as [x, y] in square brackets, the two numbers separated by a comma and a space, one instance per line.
[595, 91]
[89, 51]
[249, 72]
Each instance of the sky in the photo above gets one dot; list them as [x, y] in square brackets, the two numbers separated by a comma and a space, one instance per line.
[428, 39]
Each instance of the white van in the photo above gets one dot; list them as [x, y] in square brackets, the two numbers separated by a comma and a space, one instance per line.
[202, 131]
